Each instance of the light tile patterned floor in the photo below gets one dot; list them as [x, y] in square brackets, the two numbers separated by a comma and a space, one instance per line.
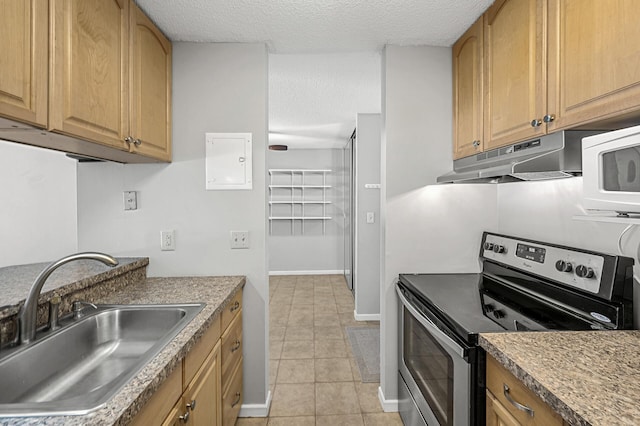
[314, 378]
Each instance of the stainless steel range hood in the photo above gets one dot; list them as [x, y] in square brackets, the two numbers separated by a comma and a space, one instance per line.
[553, 156]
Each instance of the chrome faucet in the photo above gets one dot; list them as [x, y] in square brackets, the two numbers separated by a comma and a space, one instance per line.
[27, 317]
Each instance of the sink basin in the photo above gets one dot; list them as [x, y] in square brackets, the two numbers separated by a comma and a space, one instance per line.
[78, 368]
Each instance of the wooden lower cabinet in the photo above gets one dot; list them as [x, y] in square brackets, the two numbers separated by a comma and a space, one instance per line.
[203, 390]
[232, 398]
[497, 415]
[201, 400]
[511, 403]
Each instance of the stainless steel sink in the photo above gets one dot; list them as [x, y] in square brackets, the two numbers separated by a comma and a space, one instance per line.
[78, 368]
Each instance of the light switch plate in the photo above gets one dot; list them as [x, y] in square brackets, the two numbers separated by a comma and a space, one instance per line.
[130, 200]
[371, 217]
[239, 239]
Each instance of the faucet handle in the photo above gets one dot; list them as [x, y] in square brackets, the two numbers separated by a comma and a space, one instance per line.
[54, 311]
[78, 306]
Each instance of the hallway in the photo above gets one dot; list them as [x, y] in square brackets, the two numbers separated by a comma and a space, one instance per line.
[314, 378]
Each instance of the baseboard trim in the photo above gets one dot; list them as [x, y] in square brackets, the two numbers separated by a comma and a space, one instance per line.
[388, 405]
[256, 410]
[366, 317]
[321, 272]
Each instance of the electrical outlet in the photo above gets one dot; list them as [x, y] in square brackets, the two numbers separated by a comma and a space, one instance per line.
[168, 240]
[239, 239]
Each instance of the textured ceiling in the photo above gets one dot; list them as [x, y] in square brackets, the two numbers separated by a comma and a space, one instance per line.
[324, 63]
[314, 98]
[303, 26]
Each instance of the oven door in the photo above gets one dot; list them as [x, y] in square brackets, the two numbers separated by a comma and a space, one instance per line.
[433, 371]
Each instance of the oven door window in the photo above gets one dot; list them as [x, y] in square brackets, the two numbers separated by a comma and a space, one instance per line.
[430, 366]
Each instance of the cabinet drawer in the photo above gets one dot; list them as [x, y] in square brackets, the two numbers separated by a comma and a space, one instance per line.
[194, 359]
[159, 406]
[231, 349]
[231, 310]
[498, 377]
[232, 399]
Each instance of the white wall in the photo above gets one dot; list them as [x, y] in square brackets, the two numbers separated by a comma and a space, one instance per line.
[37, 204]
[367, 268]
[426, 228]
[544, 211]
[216, 88]
[314, 251]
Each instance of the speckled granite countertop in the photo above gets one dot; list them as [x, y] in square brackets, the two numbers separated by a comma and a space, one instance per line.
[588, 377]
[15, 281]
[214, 291]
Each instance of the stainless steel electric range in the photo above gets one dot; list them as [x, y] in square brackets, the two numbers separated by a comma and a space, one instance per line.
[524, 285]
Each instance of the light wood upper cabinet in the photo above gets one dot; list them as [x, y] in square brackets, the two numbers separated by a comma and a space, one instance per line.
[514, 71]
[467, 92]
[89, 70]
[594, 60]
[94, 73]
[23, 60]
[150, 87]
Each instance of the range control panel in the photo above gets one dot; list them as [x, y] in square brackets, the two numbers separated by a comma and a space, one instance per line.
[568, 266]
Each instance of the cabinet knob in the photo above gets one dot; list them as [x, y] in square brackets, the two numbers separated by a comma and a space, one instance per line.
[476, 143]
[536, 122]
[234, 307]
[137, 142]
[192, 405]
[128, 139]
[548, 118]
[236, 346]
[185, 417]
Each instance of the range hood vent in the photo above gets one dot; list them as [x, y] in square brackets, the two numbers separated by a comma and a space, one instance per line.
[553, 156]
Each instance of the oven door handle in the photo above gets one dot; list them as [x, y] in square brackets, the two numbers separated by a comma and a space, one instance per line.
[431, 327]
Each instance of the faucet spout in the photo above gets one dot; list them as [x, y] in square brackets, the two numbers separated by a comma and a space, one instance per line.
[27, 317]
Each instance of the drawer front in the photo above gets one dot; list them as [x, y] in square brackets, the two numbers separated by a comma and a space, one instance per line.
[231, 310]
[160, 405]
[498, 377]
[196, 356]
[231, 349]
[232, 399]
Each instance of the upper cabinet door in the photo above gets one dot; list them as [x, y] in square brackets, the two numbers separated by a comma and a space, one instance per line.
[594, 59]
[23, 60]
[89, 84]
[467, 92]
[150, 88]
[514, 73]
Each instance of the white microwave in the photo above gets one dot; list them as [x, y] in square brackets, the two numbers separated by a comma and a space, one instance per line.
[611, 171]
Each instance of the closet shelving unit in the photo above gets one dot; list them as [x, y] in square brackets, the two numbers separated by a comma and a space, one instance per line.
[304, 191]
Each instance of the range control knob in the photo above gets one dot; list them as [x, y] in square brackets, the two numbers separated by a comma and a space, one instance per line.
[488, 246]
[498, 313]
[584, 271]
[497, 248]
[563, 266]
[489, 307]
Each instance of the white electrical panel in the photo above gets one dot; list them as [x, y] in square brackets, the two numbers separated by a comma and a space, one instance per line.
[228, 162]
